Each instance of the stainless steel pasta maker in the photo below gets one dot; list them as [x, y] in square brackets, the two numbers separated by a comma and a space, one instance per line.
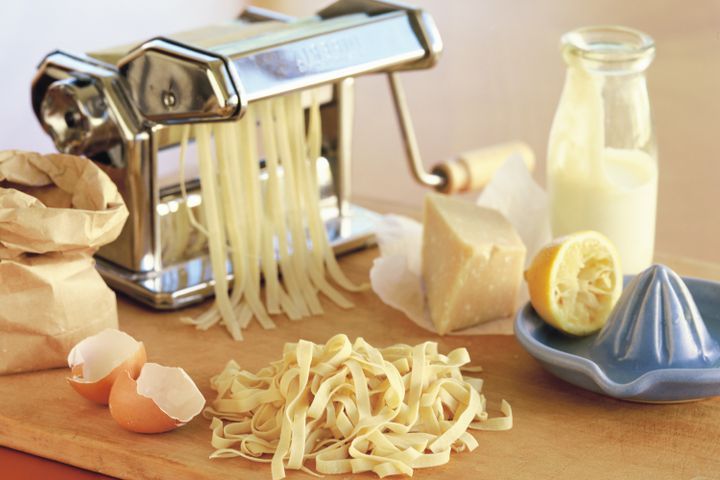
[124, 109]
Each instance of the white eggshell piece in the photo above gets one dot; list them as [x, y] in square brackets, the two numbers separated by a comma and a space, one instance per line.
[101, 353]
[172, 390]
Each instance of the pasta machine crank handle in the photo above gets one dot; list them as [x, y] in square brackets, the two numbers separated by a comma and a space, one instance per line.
[409, 139]
[470, 171]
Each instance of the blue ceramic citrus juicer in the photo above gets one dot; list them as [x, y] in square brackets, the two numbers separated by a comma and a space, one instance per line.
[660, 343]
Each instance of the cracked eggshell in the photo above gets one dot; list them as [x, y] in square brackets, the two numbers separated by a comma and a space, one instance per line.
[162, 399]
[97, 361]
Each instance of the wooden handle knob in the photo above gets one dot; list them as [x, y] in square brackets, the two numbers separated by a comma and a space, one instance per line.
[472, 170]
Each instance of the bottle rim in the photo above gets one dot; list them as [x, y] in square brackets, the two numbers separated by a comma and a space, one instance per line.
[609, 44]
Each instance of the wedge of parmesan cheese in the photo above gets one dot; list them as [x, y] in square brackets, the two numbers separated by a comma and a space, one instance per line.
[472, 263]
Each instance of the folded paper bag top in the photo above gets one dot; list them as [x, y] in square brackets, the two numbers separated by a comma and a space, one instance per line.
[56, 203]
[55, 211]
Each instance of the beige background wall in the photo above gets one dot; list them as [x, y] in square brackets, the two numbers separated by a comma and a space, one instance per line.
[499, 78]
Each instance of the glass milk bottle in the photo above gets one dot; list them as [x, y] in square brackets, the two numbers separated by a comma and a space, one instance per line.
[602, 171]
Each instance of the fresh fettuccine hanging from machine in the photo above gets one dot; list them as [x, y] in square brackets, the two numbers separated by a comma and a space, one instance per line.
[264, 229]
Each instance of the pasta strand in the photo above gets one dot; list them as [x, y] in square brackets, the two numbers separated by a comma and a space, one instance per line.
[268, 221]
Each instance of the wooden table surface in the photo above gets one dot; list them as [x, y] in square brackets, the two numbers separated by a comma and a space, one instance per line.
[560, 431]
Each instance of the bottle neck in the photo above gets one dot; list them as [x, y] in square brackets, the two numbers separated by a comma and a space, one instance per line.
[608, 50]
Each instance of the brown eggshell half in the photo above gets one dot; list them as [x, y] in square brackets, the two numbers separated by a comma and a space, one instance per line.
[99, 391]
[136, 412]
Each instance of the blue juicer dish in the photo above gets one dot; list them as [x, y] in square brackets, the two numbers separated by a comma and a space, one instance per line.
[660, 343]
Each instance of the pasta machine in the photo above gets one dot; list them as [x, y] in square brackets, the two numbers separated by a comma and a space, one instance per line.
[125, 107]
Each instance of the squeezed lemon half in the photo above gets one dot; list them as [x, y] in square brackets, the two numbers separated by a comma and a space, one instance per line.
[575, 281]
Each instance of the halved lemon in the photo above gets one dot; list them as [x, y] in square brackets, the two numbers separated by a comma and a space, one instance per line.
[575, 281]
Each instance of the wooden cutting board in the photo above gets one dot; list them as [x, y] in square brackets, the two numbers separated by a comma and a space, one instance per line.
[560, 431]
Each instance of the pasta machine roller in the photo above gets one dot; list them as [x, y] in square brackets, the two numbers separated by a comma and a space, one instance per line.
[125, 107]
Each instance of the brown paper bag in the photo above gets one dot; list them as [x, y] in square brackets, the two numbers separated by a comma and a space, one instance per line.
[55, 211]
